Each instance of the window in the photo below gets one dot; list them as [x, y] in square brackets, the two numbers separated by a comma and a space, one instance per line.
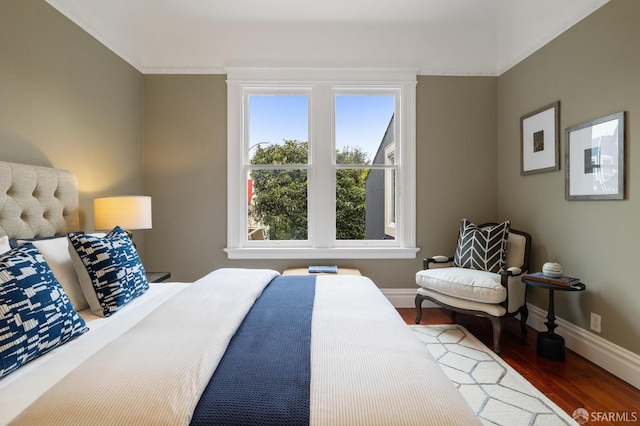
[277, 162]
[321, 164]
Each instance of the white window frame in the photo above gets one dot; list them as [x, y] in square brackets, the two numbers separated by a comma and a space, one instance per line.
[322, 86]
[389, 194]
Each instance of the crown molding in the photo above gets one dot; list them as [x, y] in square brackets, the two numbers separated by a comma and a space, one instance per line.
[458, 73]
[425, 72]
[180, 70]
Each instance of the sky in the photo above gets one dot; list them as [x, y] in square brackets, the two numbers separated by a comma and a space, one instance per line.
[360, 120]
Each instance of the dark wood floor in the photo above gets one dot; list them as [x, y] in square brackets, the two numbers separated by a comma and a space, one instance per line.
[573, 383]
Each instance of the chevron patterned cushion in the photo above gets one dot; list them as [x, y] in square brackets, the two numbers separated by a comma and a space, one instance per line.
[484, 248]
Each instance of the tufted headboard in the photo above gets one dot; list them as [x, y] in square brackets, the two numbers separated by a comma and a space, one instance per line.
[37, 201]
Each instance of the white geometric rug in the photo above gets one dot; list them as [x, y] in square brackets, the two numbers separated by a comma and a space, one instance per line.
[497, 393]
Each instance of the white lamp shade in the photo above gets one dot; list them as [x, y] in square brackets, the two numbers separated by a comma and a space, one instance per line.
[128, 212]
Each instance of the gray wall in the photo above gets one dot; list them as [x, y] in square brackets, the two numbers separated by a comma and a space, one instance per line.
[67, 101]
[594, 70]
[185, 173]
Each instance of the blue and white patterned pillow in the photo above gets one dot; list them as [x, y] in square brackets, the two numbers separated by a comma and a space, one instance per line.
[35, 312]
[109, 269]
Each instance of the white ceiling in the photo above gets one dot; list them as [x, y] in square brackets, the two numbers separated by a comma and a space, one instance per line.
[443, 37]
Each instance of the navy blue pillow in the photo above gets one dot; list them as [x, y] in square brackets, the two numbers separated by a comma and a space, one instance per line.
[109, 269]
[35, 312]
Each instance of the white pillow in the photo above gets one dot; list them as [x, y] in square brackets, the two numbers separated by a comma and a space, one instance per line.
[56, 253]
[4, 244]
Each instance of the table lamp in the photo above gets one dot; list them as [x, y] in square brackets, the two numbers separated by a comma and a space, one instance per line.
[129, 212]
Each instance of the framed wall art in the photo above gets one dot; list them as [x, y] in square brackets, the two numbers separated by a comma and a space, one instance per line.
[540, 140]
[595, 159]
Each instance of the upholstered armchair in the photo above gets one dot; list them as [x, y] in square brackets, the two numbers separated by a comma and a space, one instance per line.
[483, 278]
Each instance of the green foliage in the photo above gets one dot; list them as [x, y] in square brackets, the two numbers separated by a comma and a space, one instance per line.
[351, 195]
[280, 195]
[350, 155]
[291, 152]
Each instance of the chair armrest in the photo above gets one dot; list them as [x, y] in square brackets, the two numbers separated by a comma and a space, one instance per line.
[436, 260]
[514, 271]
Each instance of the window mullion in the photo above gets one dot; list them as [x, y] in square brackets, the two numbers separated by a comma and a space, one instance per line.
[322, 179]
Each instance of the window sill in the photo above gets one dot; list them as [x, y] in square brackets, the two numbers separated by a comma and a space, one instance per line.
[322, 253]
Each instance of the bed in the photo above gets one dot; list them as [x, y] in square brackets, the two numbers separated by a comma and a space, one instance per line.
[238, 346]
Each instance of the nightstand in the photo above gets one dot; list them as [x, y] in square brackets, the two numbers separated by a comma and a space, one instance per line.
[158, 277]
[549, 344]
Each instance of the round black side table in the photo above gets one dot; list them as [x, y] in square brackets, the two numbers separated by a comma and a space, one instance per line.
[549, 344]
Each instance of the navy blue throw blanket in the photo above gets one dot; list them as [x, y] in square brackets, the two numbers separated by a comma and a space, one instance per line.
[265, 374]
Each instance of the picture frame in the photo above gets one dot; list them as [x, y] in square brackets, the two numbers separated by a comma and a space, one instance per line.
[540, 140]
[595, 159]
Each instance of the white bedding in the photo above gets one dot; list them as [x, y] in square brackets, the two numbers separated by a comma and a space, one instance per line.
[22, 387]
[366, 366]
[368, 369]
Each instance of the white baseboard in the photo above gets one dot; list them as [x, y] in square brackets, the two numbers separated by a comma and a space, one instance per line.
[404, 298]
[615, 359]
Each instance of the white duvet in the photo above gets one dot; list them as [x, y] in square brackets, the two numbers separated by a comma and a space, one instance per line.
[22, 387]
[367, 368]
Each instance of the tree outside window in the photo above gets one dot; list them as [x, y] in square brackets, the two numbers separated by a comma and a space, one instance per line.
[279, 199]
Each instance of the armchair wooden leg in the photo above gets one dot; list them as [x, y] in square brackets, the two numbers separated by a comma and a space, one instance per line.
[524, 314]
[419, 300]
[496, 322]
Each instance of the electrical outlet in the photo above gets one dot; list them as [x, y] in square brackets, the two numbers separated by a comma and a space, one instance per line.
[596, 322]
